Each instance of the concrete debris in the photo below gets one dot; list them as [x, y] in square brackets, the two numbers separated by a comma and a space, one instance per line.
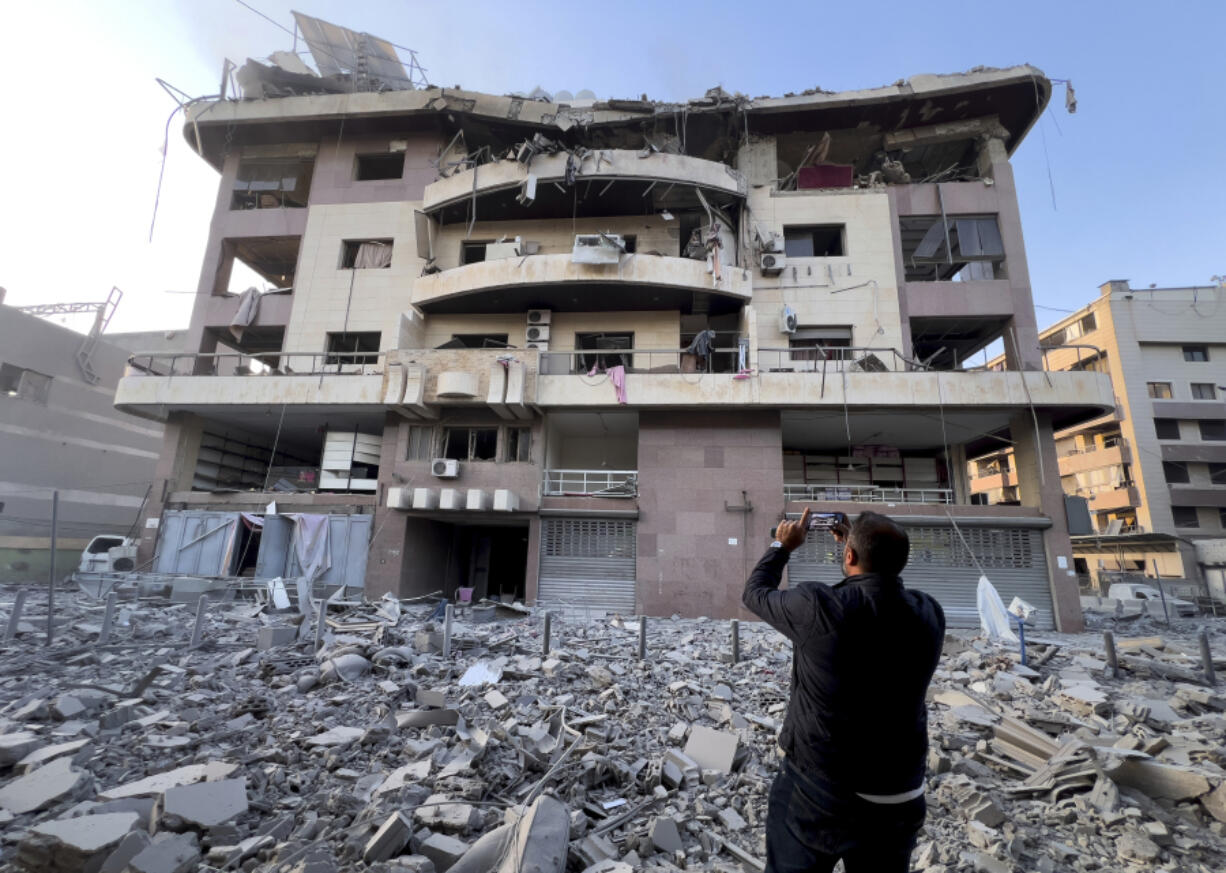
[375, 753]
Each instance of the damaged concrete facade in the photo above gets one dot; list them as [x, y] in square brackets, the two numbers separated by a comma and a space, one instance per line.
[588, 354]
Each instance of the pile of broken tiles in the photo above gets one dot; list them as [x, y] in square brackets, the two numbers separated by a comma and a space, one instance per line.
[254, 752]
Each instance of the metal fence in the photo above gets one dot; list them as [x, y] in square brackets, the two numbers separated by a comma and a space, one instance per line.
[834, 359]
[256, 364]
[591, 483]
[594, 361]
[867, 494]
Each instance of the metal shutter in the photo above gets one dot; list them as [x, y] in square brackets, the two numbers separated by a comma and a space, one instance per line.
[196, 543]
[588, 563]
[1012, 558]
[349, 544]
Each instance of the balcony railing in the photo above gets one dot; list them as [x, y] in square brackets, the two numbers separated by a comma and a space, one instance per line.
[256, 364]
[593, 361]
[835, 359]
[866, 494]
[592, 483]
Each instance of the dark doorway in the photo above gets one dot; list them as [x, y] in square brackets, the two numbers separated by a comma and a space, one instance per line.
[496, 561]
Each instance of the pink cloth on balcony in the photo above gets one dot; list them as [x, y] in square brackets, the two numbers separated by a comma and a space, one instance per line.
[617, 375]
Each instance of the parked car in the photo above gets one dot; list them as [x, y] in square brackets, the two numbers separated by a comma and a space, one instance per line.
[1132, 591]
[108, 554]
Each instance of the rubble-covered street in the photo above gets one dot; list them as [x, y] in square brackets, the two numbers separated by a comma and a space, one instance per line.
[250, 752]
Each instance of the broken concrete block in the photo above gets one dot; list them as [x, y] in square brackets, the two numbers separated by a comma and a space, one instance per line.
[600, 676]
[593, 849]
[409, 774]
[167, 853]
[82, 843]
[344, 668]
[690, 771]
[443, 850]
[665, 836]
[609, 866]
[986, 812]
[132, 844]
[430, 698]
[120, 714]
[1135, 846]
[203, 804]
[77, 749]
[711, 749]
[551, 666]
[731, 819]
[162, 782]
[41, 787]
[341, 735]
[427, 717]
[496, 699]
[275, 636]
[440, 811]
[15, 746]
[1215, 802]
[391, 838]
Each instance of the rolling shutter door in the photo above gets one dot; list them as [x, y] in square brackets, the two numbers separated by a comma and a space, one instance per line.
[196, 543]
[1012, 559]
[588, 563]
[349, 544]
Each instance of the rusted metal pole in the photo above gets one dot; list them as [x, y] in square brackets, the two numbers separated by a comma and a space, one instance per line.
[55, 517]
[736, 641]
[1112, 663]
[1206, 657]
[548, 632]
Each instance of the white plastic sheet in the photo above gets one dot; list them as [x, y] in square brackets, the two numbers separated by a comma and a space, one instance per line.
[992, 615]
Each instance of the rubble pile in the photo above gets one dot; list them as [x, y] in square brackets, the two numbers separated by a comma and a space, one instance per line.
[253, 751]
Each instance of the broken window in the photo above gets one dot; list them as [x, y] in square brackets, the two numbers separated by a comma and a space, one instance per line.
[351, 347]
[1176, 472]
[815, 343]
[366, 254]
[959, 247]
[263, 262]
[272, 183]
[470, 443]
[1196, 354]
[1185, 516]
[518, 444]
[1166, 428]
[27, 384]
[1204, 391]
[602, 342]
[369, 168]
[1072, 331]
[1217, 474]
[814, 241]
[473, 251]
[476, 341]
[421, 443]
[1159, 390]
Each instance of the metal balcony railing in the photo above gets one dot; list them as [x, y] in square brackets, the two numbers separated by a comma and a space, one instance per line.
[866, 494]
[594, 361]
[592, 483]
[256, 364]
[835, 359]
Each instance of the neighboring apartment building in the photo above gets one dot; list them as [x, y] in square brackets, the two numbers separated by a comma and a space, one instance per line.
[60, 431]
[589, 353]
[1154, 469]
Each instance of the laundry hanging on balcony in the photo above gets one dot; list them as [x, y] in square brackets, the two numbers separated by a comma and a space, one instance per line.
[248, 309]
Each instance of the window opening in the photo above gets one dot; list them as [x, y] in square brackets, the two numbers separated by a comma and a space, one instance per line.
[421, 443]
[814, 241]
[366, 254]
[1197, 354]
[1176, 472]
[1185, 516]
[963, 248]
[518, 444]
[476, 341]
[370, 168]
[817, 343]
[353, 347]
[603, 342]
[26, 384]
[272, 183]
[470, 443]
[1213, 430]
[1159, 390]
[1204, 391]
[1166, 428]
[1217, 474]
[473, 251]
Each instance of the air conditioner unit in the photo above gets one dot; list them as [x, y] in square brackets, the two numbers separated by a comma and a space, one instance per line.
[445, 468]
[539, 316]
[787, 320]
[537, 333]
[772, 263]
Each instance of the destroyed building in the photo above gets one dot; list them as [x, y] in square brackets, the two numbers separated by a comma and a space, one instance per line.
[586, 352]
[1153, 469]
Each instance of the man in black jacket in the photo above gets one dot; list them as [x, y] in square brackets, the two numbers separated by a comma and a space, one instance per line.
[856, 733]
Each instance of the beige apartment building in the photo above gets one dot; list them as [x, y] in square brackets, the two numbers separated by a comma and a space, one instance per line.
[1153, 470]
[588, 352]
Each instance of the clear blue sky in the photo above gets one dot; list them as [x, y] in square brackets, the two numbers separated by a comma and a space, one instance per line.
[1137, 172]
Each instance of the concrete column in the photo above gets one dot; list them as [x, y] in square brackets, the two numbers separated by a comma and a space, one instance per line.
[385, 566]
[959, 479]
[1038, 477]
[175, 470]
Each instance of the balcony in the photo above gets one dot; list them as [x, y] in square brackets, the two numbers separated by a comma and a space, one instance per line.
[1189, 409]
[1190, 495]
[1114, 498]
[993, 481]
[815, 493]
[591, 483]
[606, 165]
[638, 281]
[196, 382]
[1095, 458]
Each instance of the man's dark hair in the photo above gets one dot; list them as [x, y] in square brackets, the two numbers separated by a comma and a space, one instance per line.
[880, 543]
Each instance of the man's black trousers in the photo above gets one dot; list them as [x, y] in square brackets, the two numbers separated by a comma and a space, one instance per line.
[809, 828]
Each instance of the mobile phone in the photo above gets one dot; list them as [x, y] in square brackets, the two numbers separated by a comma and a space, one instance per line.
[824, 521]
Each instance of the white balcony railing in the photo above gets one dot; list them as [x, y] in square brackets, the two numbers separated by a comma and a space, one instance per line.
[592, 483]
[867, 494]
